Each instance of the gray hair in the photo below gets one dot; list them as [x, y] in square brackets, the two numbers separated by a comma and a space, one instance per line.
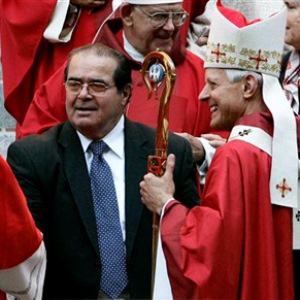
[236, 75]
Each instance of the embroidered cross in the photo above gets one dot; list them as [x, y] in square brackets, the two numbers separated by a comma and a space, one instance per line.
[218, 53]
[298, 216]
[244, 132]
[258, 59]
[283, 188]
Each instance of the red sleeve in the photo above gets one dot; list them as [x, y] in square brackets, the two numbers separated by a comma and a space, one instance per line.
[47, 108]
[19, 237]
[173, 219]
[22, 26]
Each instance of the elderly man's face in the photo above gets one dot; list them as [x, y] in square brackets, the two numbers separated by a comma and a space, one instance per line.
[93, 103]
[143, 33]
[224, 98]
[292, 35]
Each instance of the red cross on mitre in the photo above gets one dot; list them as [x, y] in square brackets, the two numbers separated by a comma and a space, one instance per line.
[218, 52]
[258, 59]
[283, 188]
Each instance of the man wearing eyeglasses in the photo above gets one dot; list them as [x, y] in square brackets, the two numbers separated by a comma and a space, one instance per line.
[137, 28]
[148, 26]
[56, 171]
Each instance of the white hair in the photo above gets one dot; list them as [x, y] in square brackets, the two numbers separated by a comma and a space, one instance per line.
[236, 75]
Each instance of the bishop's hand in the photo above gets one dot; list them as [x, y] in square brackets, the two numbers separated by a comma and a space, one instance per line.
[156, 191]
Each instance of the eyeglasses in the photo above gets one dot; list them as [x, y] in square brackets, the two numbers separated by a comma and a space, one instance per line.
[94, 88]
[159, 19]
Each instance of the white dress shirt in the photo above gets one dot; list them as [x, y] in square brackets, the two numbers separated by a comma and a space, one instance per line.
[115, 158]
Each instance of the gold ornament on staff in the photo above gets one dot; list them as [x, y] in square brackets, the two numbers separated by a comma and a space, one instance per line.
[158, 70]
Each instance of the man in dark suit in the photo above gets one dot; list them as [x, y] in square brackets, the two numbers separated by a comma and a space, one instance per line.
[53, 171]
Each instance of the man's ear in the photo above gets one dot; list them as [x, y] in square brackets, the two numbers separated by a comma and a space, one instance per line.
[126, 93]
[126, 13]
[250, 86]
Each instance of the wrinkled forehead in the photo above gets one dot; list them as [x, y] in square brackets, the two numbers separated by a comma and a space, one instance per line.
[92, 61]
[216, 76]
[215, 72]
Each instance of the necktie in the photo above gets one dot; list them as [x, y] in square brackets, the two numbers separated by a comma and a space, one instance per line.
[111, 245]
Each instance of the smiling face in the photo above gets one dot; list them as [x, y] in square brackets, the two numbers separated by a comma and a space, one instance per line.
[94, 116]
[224, 98]
[292, 33]
[140, 32]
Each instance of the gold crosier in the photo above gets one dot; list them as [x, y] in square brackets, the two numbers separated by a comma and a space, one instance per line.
[158, 70]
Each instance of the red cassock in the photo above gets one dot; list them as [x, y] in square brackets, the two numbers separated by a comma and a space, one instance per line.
[187, 113]
[28, 60]
[19, 238]
[236, 245]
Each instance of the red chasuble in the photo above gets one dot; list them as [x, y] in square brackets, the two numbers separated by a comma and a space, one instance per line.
[236, 245]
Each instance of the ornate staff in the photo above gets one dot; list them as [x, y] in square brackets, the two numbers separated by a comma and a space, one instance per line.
[158, 69]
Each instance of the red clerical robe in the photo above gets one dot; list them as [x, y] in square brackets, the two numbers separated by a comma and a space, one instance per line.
[236, 245]
[28, 59]
[19, 237]
[187, 113]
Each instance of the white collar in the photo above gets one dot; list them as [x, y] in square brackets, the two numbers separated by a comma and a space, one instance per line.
[132, 51]
[114, 139]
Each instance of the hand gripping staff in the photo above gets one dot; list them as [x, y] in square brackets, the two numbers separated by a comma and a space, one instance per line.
[158, 70]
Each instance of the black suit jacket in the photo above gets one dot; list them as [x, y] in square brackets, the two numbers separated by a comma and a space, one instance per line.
[52, 172]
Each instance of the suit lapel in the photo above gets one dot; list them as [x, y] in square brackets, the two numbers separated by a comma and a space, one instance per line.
[77, 175]
[137, 149]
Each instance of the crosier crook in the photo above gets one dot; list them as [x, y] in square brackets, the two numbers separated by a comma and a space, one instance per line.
[158, 65]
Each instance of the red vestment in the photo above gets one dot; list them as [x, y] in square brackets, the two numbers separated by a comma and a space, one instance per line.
[187, 113]
[19, 238]
[236, 245]
[28, 60]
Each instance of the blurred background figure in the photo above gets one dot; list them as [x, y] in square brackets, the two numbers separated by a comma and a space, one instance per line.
[199, 27]
[36, 38]
[194, 8]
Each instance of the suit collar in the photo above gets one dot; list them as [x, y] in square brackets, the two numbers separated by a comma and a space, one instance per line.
[114, 139]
